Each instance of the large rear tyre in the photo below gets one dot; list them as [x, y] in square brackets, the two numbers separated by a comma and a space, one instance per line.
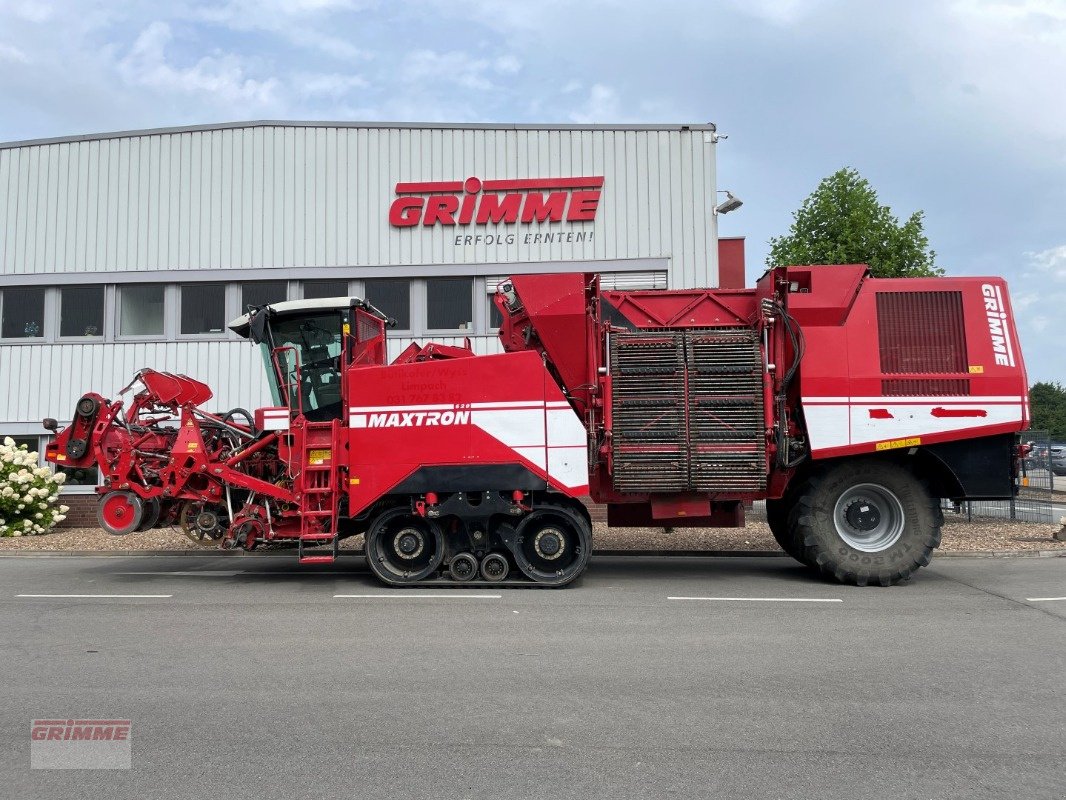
[781, 517]
[403, 548]
[120, 513]
[867, 522]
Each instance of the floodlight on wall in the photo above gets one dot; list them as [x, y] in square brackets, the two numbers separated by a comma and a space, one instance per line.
[730, 203]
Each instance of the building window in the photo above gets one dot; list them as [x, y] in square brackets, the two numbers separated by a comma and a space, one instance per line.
[80, 476]
[262, 293]
[315, 290]
[32, 443]
[449, 304]
[81, 311]
[393, 297]
[495, 317]
[203, 308]
[140, 310]
[22, 312]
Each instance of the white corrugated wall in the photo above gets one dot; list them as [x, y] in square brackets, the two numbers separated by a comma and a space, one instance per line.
[162, 205]
[282, 197]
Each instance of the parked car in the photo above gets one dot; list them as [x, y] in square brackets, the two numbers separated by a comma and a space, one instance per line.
[1037, 458]
[1058, 459]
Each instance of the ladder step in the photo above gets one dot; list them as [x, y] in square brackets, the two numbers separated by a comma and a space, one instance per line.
[316, 537]
[317, 559]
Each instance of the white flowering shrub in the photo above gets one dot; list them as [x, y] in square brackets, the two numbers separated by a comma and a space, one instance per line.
[28, 493]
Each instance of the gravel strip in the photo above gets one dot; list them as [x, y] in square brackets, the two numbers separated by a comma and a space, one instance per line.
[979, 535]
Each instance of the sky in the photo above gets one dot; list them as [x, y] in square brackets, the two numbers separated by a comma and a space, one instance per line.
[954, 108]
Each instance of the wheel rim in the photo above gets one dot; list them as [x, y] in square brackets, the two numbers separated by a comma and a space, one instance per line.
[869, 518]
[121, 512]
[403, 548]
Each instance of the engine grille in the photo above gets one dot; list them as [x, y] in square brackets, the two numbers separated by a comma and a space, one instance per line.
[687, 411]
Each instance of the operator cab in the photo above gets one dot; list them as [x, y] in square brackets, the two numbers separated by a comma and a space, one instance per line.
[303, 346]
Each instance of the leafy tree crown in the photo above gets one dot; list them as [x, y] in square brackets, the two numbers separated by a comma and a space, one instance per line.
[842, 222]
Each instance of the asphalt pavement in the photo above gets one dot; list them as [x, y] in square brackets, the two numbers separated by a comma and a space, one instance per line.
[695, 677]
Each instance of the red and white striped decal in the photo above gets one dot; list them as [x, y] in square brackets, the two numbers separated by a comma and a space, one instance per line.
[547, 434]
[843, 421]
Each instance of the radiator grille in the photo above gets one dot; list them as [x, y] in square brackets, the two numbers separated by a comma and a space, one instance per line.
[921, 332]
[687, 411]
[924, 387]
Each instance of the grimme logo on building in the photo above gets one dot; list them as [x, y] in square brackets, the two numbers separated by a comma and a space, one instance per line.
[506, 202]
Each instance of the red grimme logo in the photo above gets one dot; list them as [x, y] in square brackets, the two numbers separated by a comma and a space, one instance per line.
[477, 202]
[65, 730]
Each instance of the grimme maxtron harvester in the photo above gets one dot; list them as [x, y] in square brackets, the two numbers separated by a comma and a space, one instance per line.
[850, 404]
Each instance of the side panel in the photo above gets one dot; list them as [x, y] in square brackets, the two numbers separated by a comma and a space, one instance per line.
[915, 362]
[502, 410]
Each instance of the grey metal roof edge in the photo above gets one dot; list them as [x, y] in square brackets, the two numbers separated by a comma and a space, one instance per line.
[269, 123]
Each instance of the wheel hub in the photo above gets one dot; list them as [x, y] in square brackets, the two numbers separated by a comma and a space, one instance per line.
[863, 516]
[549, 543]
[409, 544]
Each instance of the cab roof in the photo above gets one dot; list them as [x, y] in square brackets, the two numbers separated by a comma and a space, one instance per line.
[240, 325]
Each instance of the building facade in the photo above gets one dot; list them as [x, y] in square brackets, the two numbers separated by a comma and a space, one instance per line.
[133, 249]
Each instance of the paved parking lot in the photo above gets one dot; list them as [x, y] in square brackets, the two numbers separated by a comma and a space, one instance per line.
[253, 677]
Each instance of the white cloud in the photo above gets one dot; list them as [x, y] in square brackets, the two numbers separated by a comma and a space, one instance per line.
[601, 105]
[777, 12]
[1051, 261]
[27, 10]
[428, 68]
[300, 22]
[1001, 64]
[329, 85]
[222, 78]
[8, 52]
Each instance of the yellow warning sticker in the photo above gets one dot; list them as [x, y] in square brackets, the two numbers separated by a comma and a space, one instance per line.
[892, 444]
[976, 369]
[191, 446]
[60, 457]
[354, 481]
[316, 457]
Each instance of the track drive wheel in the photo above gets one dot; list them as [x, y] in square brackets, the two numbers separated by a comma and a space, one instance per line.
[402, 547]
[553, 545]
[120, 513]
[867, 521]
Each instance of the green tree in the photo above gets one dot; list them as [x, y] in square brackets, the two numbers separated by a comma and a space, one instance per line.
[842, 222]
[1047, 409]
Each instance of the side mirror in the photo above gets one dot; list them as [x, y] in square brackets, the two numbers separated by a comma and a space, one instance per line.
[257, 326]
[50, 424]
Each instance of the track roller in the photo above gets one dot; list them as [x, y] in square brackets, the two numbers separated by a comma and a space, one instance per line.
[402, 547]
[463, 568]
[494, 567]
